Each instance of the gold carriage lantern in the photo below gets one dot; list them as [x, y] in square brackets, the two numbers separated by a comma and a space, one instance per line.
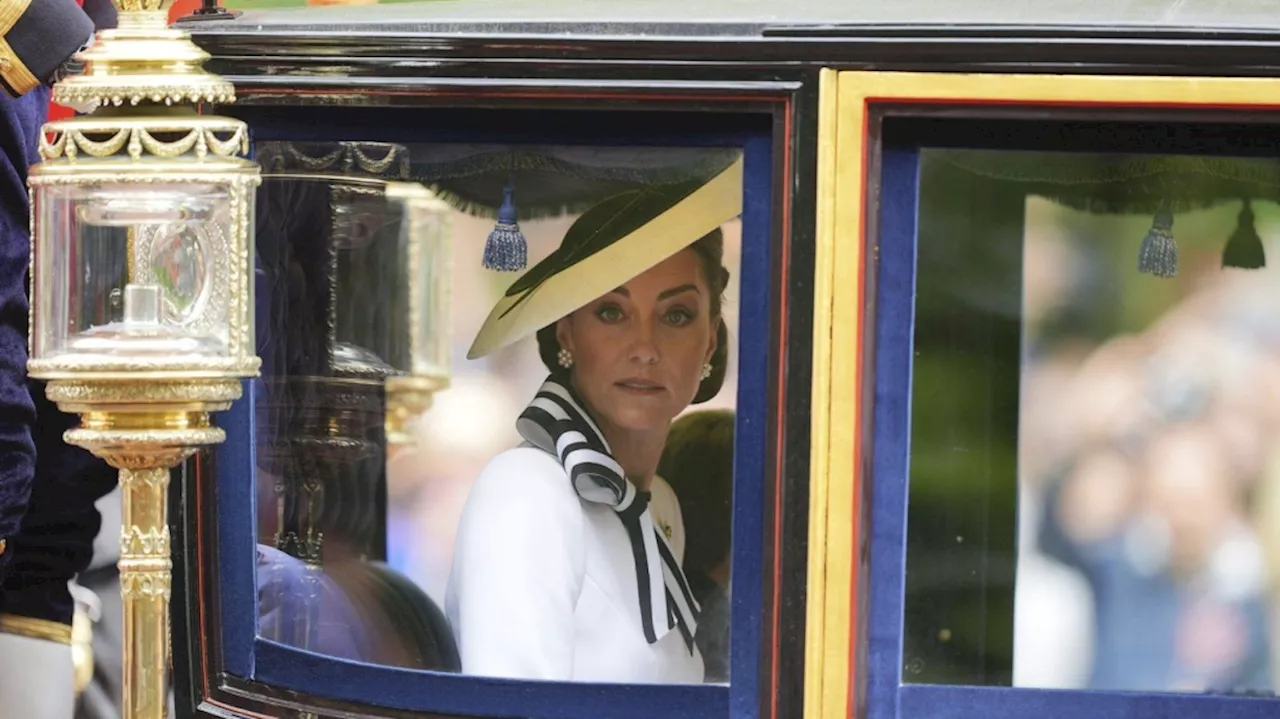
[141, 300]
[426, 242]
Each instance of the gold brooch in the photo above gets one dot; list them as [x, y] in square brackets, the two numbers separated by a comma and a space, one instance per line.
[666, 529]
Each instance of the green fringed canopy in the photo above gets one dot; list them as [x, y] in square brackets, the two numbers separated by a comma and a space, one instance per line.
[549, 181]
[1124, 184]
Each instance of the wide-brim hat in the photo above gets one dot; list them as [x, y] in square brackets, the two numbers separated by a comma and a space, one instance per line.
[610, 244]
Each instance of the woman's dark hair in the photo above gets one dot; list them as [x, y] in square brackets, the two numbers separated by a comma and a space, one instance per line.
[698, 464]
[710, 252]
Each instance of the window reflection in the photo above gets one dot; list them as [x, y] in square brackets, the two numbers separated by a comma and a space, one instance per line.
[1093, 485]
[333, 293]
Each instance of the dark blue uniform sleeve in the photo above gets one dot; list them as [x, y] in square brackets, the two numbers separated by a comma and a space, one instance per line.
[20, 121]
[55, 541]
[40, 36]
[47, 488]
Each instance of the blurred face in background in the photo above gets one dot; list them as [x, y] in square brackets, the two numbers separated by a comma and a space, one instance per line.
[1098, 496]
[1189, 483]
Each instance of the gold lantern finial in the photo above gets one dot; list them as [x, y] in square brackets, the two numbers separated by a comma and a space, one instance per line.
[141, 309]
[142, 60]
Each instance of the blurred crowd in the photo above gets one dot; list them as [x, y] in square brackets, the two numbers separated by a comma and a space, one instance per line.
[1149, 471]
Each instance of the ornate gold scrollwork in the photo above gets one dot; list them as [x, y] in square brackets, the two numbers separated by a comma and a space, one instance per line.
[198, 136]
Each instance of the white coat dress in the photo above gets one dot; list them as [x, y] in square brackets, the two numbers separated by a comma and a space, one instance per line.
[543, 584]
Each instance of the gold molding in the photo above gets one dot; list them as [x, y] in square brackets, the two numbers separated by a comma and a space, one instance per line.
[857, 88]
[43, 629]
[832, 681]
[179, 392]
[132, 368]
[226, 171]
[823, 613]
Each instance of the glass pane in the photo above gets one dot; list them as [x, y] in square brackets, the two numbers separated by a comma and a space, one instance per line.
[1093, 484]
[131, 269]
[458, 542]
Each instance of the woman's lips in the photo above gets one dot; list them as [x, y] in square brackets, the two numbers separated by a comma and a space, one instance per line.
[640, 386]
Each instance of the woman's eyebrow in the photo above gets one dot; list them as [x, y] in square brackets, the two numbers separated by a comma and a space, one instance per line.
[677, 290]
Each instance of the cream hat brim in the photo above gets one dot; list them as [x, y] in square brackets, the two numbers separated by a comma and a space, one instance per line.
[521, 315]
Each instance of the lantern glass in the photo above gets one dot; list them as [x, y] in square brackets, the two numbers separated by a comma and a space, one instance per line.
[426, 236]
[388, 258]
[368, 285]
[137, 270]
[349, 274]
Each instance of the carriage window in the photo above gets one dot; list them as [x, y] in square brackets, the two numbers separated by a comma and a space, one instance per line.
[1094, 495]
[496, 407]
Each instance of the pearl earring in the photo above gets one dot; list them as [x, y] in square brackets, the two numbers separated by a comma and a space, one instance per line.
[565, 358]
[706, 370]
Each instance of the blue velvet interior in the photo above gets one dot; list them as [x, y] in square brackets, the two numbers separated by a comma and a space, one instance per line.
[891, 423]
[319, 675]
[887, 698]
[237, 585]
[247, 656]
[749, 432]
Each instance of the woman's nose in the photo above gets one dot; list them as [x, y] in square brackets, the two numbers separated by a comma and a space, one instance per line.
[643, 349]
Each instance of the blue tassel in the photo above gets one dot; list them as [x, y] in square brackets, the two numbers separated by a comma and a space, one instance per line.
[1158, 254]
[506, 250]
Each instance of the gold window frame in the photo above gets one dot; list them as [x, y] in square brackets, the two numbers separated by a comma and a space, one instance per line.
[835, 620]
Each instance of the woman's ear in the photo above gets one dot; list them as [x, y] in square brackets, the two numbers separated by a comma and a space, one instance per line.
[715, 339]
[563, 337]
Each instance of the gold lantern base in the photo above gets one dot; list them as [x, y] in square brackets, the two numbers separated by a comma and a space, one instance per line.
[144, 428]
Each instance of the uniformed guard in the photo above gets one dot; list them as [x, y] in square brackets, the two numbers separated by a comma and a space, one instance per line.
[47, 488]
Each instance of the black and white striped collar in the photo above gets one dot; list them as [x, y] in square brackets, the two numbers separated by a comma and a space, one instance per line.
[557, 422]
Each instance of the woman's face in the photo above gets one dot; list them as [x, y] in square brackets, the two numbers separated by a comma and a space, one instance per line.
[638, 351]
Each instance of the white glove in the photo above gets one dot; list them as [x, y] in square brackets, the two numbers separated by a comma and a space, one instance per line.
[74, 67]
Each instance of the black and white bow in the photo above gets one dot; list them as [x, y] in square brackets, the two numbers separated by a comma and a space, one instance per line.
[556, 423]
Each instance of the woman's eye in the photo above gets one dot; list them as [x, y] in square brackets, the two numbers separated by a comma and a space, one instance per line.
[609, 313]
[679, 316]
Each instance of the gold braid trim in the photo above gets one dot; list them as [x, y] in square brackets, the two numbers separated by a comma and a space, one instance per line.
[35, 628]
[10, 11]
[12, 67]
